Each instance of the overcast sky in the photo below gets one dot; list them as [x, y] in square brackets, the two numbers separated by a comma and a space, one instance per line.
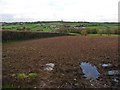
[66, 10]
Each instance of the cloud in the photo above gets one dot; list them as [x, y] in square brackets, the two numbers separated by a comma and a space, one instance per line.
[13, 18]
[6, 17]
[75, 10]
[119, 11]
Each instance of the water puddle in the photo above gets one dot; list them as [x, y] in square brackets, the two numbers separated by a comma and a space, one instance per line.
[90, 71]
[106, 65]
[113, 72]
[49, 66]
[114, 75]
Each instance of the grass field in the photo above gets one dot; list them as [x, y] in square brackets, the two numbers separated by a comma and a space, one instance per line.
[32, 30]
[103, 35]
[53, 26]
[75, 34]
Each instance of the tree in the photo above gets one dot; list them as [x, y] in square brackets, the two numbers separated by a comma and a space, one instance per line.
[84, 32]
[108, 31]
[100, 32]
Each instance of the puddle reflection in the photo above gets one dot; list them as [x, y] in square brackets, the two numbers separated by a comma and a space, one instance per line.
[113, 72]
[106, 65]
[90, 71]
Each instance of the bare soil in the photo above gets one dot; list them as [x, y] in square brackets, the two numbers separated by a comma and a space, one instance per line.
[66, 52]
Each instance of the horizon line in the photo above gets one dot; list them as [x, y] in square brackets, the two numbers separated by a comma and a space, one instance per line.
[60, 21]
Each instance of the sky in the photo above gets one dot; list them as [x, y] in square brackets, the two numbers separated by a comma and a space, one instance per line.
[56, 10]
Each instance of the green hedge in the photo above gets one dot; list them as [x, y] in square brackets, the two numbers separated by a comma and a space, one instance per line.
[24, 35]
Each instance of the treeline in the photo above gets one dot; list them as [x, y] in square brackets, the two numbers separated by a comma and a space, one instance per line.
[85, 31]
[24, 35]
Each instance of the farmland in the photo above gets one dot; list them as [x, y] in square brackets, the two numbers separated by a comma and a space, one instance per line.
[61, 60]
[31, 30]
[65, 54]
[55, 25]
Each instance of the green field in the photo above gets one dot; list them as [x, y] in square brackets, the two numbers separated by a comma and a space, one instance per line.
[103, 35]
[75, 34]
[53, 26]
[73, 28]
[47, 27]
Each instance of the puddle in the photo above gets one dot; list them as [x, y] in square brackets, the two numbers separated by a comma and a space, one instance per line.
[90, 71]
[49, 66]
[114, 77]
[113, 72]
[115, 80]
[106, 65]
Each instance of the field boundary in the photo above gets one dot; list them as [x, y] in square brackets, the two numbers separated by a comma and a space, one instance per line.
[25, 35]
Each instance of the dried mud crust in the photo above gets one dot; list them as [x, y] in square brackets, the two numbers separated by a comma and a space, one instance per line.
[66, 53]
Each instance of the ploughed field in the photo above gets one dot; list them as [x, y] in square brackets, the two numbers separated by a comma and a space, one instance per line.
[61, 62]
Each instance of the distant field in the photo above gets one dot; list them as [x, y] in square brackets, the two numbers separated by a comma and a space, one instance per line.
[47, 27]
[75, 34]
[64, 28]
[53, 26]
[103, 35]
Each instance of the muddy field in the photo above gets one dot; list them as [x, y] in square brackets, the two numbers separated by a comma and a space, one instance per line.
[61, 62]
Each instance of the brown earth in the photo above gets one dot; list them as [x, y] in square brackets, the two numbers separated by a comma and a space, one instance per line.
[66, 53]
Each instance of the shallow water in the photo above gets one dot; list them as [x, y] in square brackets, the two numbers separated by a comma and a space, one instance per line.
[90, 71]
[114, 75]
[106, 65]
[113, 72]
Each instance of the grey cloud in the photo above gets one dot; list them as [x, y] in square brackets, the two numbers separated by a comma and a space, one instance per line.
[6, 17]
[119, 11]
[10, 18]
